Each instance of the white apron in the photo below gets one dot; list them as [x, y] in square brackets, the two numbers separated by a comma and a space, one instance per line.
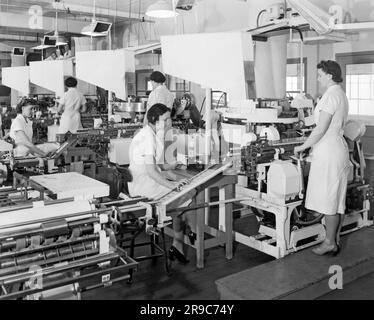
[145, 142]
[70, 121]
[328, 177]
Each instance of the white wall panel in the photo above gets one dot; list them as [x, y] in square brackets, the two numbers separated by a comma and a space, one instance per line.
[106, 69]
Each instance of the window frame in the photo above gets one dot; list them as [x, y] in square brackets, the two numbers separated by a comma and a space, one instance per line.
[346, 58]
[142, 93]
[297, 61]
[186, 85]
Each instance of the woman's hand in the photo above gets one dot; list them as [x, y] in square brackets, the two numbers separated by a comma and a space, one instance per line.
[179, 184]
[175, 166]
[298, 150]
[181, 166]
[173, 185]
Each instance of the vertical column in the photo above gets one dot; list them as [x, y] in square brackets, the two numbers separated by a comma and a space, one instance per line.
[200, 219]
[281, 229]
[229, 194]
[208, 124]
[207, 209]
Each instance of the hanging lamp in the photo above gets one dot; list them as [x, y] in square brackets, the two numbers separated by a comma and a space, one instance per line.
[161, 9]
[96, 28]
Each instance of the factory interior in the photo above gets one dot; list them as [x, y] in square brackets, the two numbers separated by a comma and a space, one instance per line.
[186, 150]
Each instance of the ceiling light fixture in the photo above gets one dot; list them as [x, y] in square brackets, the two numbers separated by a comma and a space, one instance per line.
[96, 28]
[162, 9]
[318, 19]
[52, 41]
[60, 41]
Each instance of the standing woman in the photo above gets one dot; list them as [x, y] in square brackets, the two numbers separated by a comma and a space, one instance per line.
[159, 93]
[72, 103]
[328, 177]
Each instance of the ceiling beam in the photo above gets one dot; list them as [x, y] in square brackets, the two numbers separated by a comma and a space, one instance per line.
[108, 13]
[20, 21]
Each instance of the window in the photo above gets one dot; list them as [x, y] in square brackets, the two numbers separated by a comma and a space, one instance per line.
[219, 99]
[358, 81]
[177, 86]
[360, 88]
[142, 82]
[292, 77]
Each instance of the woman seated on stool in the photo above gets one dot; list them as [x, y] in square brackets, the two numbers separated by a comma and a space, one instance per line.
[21, 132]
[147, 161]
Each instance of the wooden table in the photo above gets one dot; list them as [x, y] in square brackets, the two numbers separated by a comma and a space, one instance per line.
[225, 182]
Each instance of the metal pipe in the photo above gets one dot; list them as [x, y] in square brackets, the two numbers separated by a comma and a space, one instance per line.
[124, 200]
[24, 276]
[301, 82]
[207, 204]
[40, 258]
[30, 205]
[208, 124]
[72, 215]
[53, 246]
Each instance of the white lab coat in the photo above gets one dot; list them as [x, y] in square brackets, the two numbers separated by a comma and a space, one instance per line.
[145, 143]
[159, 95]
[71, 118]
[20, 123]
[25, 125]
[328, 177]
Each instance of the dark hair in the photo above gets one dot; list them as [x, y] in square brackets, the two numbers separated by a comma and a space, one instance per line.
[333, 68]
[71, 82]
[154, 112]
[187, 96]
[25, 102]
[158, 77]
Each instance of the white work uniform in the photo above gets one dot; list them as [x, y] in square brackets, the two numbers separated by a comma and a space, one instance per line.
[145, 143]
[160, 95]
[20, 123]
[328, 177]
[71, 118]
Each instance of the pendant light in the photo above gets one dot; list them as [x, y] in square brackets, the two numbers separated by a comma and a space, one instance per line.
[161, 9]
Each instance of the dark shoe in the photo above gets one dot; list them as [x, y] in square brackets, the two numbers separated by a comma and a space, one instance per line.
[174, 253]
[337, 251]
[192, 237]
[326, 249]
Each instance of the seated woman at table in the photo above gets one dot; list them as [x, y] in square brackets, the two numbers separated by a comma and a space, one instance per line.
[146, 163]
[21, 132]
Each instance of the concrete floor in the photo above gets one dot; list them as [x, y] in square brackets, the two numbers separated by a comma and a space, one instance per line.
[188, 282]
[360, 289]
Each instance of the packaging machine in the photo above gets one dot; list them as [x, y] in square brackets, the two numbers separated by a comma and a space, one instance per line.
[275, 182]
[57, 249]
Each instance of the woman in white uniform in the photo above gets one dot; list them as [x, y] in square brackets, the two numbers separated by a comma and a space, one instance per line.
[146, 163]
[72, 103]
[159, 93]
[328, 177]
[21, 132]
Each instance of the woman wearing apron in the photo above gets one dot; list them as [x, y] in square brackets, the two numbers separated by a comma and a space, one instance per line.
[328, 177]
[147, 162]
[21, 131]
[72, 103]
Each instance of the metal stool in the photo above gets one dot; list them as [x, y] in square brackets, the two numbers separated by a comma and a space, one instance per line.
[130, 224]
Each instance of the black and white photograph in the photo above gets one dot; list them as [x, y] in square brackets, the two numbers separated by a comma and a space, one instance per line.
[186, 157]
